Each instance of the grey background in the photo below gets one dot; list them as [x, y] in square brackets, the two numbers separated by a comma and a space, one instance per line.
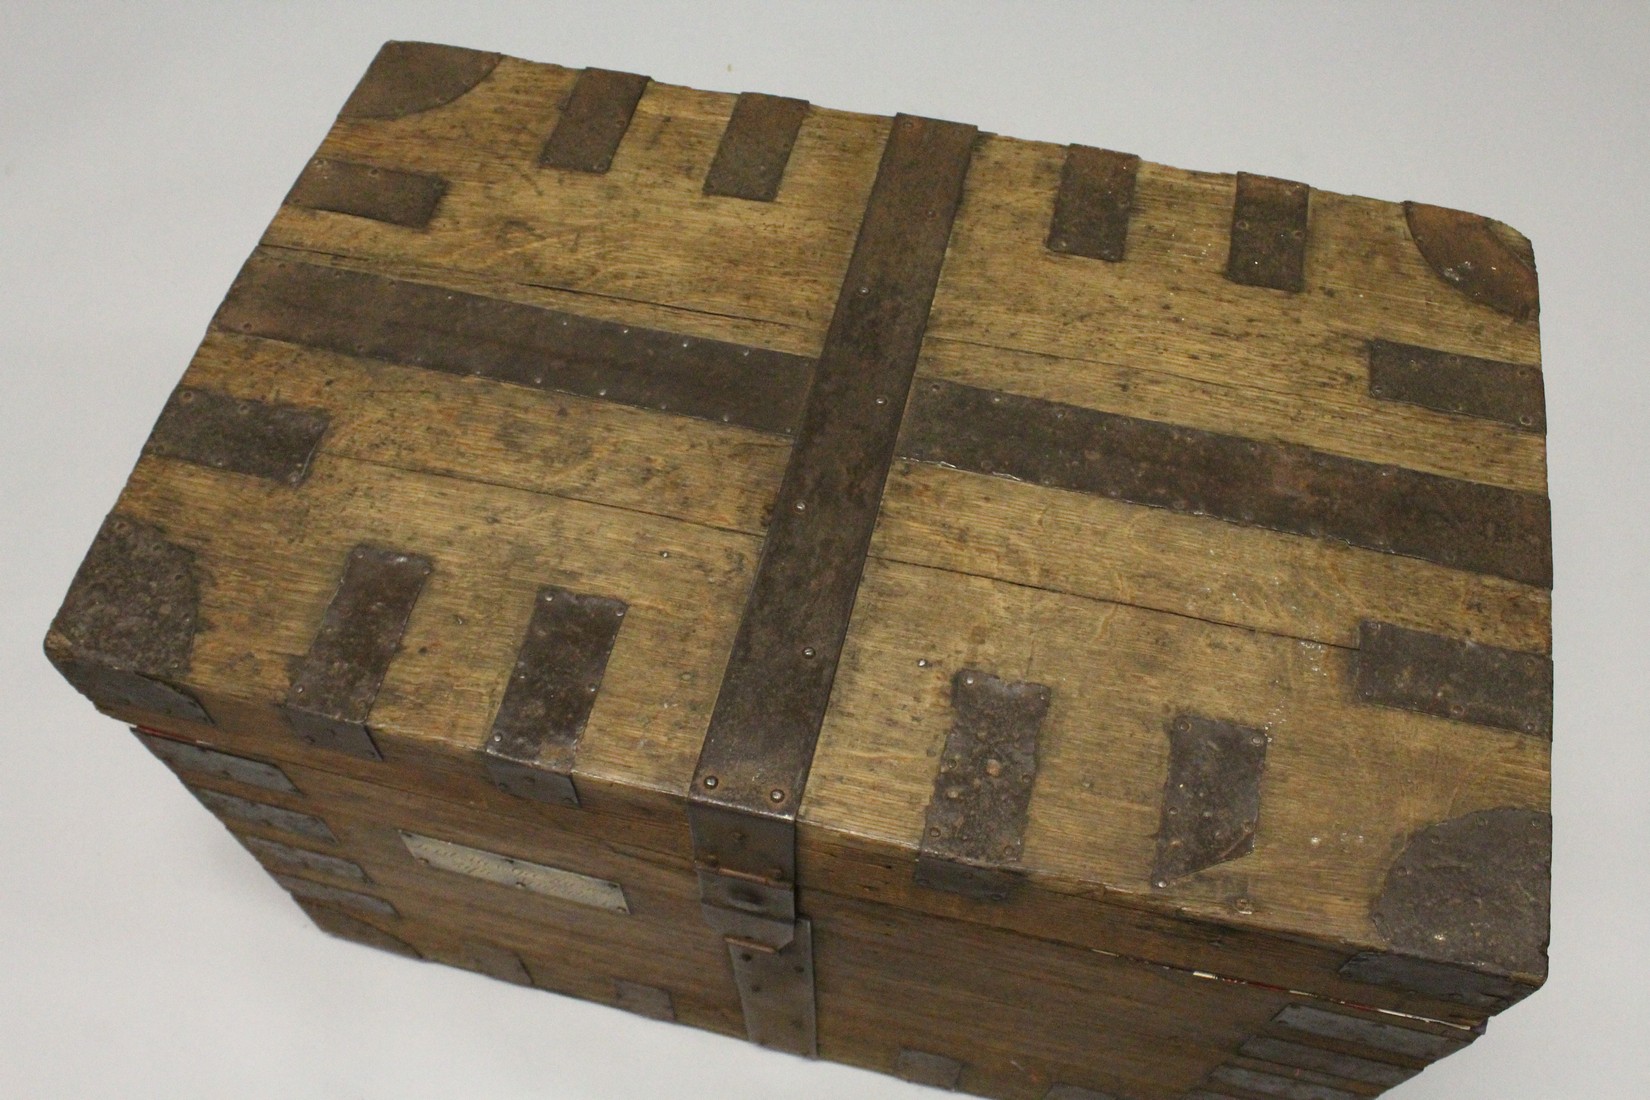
[144, 147]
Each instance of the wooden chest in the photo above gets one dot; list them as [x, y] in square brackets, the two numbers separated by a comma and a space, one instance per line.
[1013, 616]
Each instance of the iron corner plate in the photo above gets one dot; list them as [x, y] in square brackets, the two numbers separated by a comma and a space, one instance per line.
[125, 631]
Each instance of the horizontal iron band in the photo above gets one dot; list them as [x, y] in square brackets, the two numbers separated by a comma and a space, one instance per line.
[407, 199]
[419, 325]
[1454, 678]
[1489, 389]
[256, 438]
[1279, 486]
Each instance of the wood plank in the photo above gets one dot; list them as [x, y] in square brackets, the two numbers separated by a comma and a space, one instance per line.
[1302, 587]
[582, 448]
[559, 960]
[1344, 784]
[1164, 335]
[685, 320]
[643, 231]
[273, 558]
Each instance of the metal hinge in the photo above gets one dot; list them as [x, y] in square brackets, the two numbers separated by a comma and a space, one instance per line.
[753, 907]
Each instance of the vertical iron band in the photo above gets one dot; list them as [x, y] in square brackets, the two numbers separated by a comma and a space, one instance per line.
[747, 787]
[777, 682]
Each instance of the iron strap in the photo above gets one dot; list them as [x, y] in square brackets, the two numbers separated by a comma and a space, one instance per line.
[778, 678]
[760, 742]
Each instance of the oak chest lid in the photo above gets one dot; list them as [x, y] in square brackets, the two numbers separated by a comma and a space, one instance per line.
[1140, 558]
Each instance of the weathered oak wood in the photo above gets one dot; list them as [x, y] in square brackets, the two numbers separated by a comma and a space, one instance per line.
[1331, 813]
[1188, 565]
[492, 550]
[1165, 335]
[580, 448]
[642, 231]
[1110, 760]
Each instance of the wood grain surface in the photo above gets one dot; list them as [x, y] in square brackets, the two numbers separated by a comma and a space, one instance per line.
[1129, 615]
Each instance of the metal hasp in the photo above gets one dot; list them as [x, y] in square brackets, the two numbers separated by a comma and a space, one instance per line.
[747, 786]
[776, 991]
[551, 692]
[334, 686]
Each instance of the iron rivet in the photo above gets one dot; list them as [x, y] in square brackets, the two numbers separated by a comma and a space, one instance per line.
[710, 782]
